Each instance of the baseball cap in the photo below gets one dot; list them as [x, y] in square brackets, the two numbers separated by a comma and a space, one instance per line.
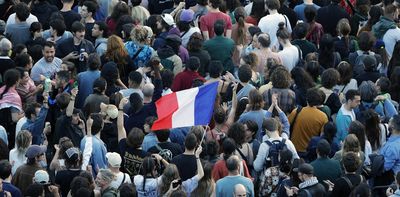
[304, 168]
[187, 15]
[168, 19]
[34, 151]
[41, 177]
[110, 110]
[114, 159]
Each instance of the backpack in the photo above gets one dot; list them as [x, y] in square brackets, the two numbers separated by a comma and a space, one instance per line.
[359, 62]
[275, 147]
[164, 153]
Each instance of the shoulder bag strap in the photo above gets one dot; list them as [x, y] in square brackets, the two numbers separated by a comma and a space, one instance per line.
[348, 182]
[242, 155]
[298, 110]
[137, 53]
[123, 181]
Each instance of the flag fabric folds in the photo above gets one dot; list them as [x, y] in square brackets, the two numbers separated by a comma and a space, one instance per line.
[186, 108]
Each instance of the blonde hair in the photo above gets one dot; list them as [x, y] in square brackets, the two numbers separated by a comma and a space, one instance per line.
[23, 141]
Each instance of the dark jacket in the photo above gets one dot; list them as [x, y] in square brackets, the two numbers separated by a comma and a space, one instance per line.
[329, 16]
[43, 10]
[315, 190]
[67, 46]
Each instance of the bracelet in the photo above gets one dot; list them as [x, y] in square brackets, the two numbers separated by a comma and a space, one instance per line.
[197, 157]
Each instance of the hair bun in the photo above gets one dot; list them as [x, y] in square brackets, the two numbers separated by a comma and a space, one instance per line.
[281, 25]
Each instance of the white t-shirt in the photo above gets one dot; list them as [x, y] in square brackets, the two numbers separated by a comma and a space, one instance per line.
[390, 38]
[186, 37]
[16, 159]
[289, 56]
[151, 186]
[31, 18]
[269, 24]
[118, 180]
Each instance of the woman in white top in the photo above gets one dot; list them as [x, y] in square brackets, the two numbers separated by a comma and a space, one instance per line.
[346, 81]
[17, 154]
[290, 54]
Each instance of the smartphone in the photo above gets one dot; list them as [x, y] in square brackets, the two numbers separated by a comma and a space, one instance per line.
[176, 184]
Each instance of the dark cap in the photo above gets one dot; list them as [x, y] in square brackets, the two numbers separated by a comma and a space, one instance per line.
[72, 154]
[35, 150]
[304, 168]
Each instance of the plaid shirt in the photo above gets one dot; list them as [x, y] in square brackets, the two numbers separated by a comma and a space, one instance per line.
[286, 99]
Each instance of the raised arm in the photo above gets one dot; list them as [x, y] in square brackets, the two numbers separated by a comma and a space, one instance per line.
[70, 107]
[200, 171]
[120, 120]
[231, 116]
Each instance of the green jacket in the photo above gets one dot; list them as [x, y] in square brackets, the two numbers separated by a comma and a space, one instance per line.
[109, 192]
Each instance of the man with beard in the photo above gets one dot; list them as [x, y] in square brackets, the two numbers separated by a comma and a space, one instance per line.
[48, 65]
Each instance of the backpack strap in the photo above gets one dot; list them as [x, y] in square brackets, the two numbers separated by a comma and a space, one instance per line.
[137, 53]
[348, 182]
[158, 147]
[242, 155]
[298, 110]
[123, 181]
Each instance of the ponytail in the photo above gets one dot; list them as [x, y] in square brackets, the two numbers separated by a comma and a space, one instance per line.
[240, 15]
[11, 77]
[4, 92]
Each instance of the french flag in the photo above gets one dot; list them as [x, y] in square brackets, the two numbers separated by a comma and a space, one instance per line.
[186, 108]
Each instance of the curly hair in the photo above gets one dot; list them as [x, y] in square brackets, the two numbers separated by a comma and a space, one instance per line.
[280, 78]
[237, 133]
[116, 52]
[329, 78]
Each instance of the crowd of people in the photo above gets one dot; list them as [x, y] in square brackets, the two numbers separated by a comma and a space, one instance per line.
[307, 99]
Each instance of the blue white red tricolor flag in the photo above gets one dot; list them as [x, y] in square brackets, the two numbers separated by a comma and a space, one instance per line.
[186, 108]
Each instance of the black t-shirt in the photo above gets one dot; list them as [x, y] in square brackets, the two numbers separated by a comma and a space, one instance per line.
[64, 179]
[88, 33]
[109, 135]
[69, 18]
[173, 147]
[342, 188]
[132, 158]
[6, 63]
[187, 166]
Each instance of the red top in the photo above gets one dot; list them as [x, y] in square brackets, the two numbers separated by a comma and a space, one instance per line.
[184, 80]
[251, 20]
[207, 22]
[220, 171]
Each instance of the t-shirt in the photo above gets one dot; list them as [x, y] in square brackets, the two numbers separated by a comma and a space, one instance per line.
[187, 165]
[173, 147]
[42, 67]
[132, 158]
[85, 84]
[289, 56]
[64, 179]
[269, 24]
[69, 18]
[225, 186]
[150, 188]
[207, 22]
[299, 9]
[118, 180]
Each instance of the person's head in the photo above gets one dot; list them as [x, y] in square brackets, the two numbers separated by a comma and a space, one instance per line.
[245, 73]
[343, 27]
[383, 85]
[198, 131]
[98, 123]
[314, 97]
[363, 6]
[256, 101]
[77, 183]
[32, 111]
[237, 132]
[167, 22]
[212, 148]
[280, 78]
[374, 14]
[219, 27]
[136, 102]
[368, 91]
[363, 189]
[135, 79]
[5, 169]
[41, 177]
[78, 30]
[345, 71]
[273, 4]
[264, 40]
[305, 171]
[329, 131]
[271, 125]
[394, 124]
[5, 47]
[135, 138]
[215, 69]
[323, 148]
[148, 169]
[351, 144]
[219, 115]
[353, 98]
[174, 41]
[312, 67]
[139, 34]
[93, 61]
[127, 190]
[100, 29]
[73, 158]
[35, 154]
[11, 77]
[89, 9]
[24, 61]
[99, 85]
[251, 129]
[22, 11]
[18, 49]
[49, 51]
[193, 63]
[215, 3]
[190, 141]
[366, 41]
[114, 160]
[36, 190]
[120, 9]
[300, 31]
[162, 135]
[57, 27]
[329, 78]
[195, 42]
[369, 63]
[62, 78]
[104, 178]
[23, 140]
[310, 12]
[170, 173]
[36, 29]
[239, 191]
[391, 12]
[351, 162]
[233, 164]
[282, 34]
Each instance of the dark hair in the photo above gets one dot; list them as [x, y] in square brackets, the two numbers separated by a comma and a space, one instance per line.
[135, 138]
[195, 42]
[313, 68]
[212, 148]
[375, 12]
[366, 41]
[300, 31]
[280, 78]
[329, 132]
[124, 19]
[136, 102]
[232, 163]
[240, 15]
[62, 100]
[314, 97]
[301, 78]
[282, 32]
[219, 27]
[11, 77]
[77, 27]
[22, 60]
[346, 73]
[127, 190]
[5, 169]
[326, 51]
[30, 109]
[351, 161]
[135, 77]
[93, 61]
[384, 84]
[35, 190]
[99, 85]
[371, 121]
[127, 29]
[309, 13]
[162, 135]
[361, 190]
[63, 75]
[229, 147]
[273, 4]
[148, 166]
[98, 123]
[368, 91]
[264, 39]
[358, 129]
[329, 78]
[167, 77]
[77, 183]
[49, 44]
[193, 63]
[253, 30]
[323, 148]
[256, 101]
[190, 141]
[91, 6]
[350, 94]
[215, 3]
[258, 9]
[22, 11]
[35, 26]
[119, 10]
[237, 133]
[215, 68]
[219, 115]
[58, 25]
[252, 126]
[17, 49]
[245, 73]
[102, 27]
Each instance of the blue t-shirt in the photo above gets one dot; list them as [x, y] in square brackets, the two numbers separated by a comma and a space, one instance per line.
[225, 186]
[299, 9]
[85, 85]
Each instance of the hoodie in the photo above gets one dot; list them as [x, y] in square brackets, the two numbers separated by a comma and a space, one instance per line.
[384, 24]
[100, 45]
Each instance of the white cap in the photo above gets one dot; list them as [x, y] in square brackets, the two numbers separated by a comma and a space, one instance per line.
[114, 159]
[41, 177]
[168, 19]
